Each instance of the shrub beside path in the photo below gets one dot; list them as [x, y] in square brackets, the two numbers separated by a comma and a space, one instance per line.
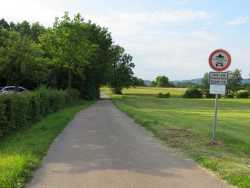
[103, 148]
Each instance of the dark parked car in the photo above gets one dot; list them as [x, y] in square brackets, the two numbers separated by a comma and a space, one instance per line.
[12, 89]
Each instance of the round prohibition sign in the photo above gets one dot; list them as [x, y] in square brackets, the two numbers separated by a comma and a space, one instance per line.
[220, 60]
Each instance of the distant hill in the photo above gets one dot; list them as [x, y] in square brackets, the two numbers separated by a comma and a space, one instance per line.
[246, 81]
[147, 82]
[193, 81]
[198, 81]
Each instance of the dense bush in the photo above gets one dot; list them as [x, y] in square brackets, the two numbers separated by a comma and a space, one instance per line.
[2, 117]
[20, 110]
[243, 94]
[193, 93]
[162, 95]
[229, 96]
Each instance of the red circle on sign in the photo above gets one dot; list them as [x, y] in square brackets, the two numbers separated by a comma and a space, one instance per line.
[220, 60]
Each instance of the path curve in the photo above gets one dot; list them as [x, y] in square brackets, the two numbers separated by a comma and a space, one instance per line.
[103, 148]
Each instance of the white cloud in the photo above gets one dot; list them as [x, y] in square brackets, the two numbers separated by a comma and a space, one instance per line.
[239, 21]
[31, 10]
[175, 42]
[141, 33]
[177, 55]
[157, 45]
[183, 1]
[131, 23]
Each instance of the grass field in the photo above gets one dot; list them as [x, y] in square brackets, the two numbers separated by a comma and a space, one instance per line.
[21, 153]
[149, 91]
[185, 124]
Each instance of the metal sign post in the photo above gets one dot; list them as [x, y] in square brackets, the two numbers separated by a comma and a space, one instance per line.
[219, 61]
[213, 141]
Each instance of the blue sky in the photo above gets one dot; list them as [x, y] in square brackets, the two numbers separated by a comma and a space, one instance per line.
[166, 37]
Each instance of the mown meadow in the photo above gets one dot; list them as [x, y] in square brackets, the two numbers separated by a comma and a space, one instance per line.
[185, 125]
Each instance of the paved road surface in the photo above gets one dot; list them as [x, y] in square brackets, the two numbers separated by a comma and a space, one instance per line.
[103, 148]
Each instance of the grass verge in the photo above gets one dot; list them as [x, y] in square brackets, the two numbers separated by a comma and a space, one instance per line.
[22, 152]
[185, 124]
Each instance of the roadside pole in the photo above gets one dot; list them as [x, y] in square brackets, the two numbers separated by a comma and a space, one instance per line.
[219, 60]
[213, 141]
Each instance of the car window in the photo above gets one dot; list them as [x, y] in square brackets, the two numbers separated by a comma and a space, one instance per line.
[19, 89]
[9, 89]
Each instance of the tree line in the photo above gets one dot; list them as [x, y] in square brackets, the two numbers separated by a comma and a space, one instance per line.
[235, 87]
[73, 53]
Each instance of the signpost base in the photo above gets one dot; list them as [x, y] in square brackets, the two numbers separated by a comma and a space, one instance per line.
[213, 141]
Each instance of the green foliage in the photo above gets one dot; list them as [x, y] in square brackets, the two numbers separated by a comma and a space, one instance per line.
[20, 110]
[243, 94]
[3, 119]
[153, 83]
[229, 96]
[68, 48]
[234, 83]
[122, 75]
[161, 81]
[148, 91]
[247, 87]
[205, 85]
[21, 60]
[193, 93]
[71, 54]
[4, 24]
[137, 81]
[34, 106]
[21, 152]
[162, 95]
[80, 55]
[72, 96]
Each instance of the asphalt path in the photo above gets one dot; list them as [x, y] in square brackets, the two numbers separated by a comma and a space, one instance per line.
[104, 148]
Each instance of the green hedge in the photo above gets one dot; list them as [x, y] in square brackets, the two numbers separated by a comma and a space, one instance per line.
[20, 110]
[243, 94]
[162, 95]
[193, 93]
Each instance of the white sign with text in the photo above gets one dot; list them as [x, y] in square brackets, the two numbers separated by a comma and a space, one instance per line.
[218, 89]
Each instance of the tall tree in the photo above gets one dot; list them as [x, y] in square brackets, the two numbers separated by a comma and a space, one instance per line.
[100, 68]
[23, 28]
[235, 81]
[205, 84]
[71, 54]
[69, 49]
[21, 60]
[4, 24]
[138, 81]
[122, 70]
[36, 30]
[80, 52]
[162, 81]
